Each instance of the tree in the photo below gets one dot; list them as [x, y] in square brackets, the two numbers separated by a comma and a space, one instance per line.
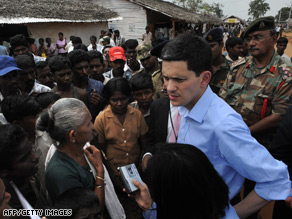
[215, 8]
[199, 5]
[258, 8]
[284, 12]
[193, 5]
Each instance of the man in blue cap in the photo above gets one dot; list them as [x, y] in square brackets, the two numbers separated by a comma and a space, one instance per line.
[8, 77]
[220, 64]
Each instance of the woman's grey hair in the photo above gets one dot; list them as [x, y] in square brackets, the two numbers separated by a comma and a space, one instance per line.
[65, 115]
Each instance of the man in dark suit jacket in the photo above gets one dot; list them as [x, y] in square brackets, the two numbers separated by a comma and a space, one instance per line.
[281, 149]
[158, 124]
[159, 112]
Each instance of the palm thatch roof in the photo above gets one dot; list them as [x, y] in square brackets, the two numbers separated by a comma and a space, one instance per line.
[34, 11]
[174, 11]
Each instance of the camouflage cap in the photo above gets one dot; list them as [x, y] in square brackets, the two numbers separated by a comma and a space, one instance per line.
[143, 51]
[260, 24]
[214, 35]
[105, 38]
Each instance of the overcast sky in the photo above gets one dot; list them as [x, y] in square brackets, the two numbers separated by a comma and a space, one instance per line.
[240, 8]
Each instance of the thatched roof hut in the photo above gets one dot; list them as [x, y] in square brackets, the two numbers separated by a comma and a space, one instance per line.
[154, 13]
[176, 12]
[45, 18]
[30, 11]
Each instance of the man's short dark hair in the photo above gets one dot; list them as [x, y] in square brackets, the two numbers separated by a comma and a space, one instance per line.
[60, 33]
[107, 46]
[25, 61]
[233, 41]
[77, 56]
[30, 40]
[81, 47]
[189, 48]
[71, 37]
[41, 65]
[141, 81]
[117, 31]
[282, 40]
[17, 107]
[11, 137]
[18, 40]
[58, 63]
[77, 199]
[95, 55]
[130, 44]
[109, 34]
[93, 37]
[46, 99]
[77, 40]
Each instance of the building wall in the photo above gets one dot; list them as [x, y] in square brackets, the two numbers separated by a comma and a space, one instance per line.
[134, 18]
[82, 30]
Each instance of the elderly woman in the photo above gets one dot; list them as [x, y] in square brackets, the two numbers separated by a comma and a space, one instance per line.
[75, 163]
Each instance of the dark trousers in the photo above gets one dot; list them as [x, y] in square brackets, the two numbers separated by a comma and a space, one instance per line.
[281, 211]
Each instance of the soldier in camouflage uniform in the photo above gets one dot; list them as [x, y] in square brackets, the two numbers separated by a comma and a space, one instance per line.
[220, 64]
[151, 66]
[259, 87]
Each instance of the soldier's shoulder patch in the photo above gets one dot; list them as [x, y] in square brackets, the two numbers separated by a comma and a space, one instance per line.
[238, 63]
[155, 73]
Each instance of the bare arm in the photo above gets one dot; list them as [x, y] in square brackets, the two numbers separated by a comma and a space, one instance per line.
[250, 204]
[270, 121]
[94, 156]
[142, 196]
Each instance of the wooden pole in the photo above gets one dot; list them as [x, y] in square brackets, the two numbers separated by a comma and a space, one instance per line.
[173, 28]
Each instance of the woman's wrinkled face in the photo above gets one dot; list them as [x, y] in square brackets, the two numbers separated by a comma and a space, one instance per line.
[119, 103]
[85, 132]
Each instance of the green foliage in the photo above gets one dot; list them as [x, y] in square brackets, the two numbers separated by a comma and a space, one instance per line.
[193, 5]
[284, 14]
[258, 8]
[199, 5]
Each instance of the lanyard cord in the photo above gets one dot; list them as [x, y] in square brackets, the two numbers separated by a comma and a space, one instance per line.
[172, 127]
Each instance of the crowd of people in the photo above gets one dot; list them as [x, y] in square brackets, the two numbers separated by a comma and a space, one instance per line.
[200, 126]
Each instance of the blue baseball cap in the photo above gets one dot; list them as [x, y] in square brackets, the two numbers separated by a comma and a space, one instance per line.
[7, 64]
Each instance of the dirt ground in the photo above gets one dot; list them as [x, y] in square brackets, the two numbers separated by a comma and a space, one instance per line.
[288, 50]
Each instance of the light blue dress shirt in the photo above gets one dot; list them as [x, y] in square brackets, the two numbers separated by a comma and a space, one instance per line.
[216, 129]
[152, 213]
